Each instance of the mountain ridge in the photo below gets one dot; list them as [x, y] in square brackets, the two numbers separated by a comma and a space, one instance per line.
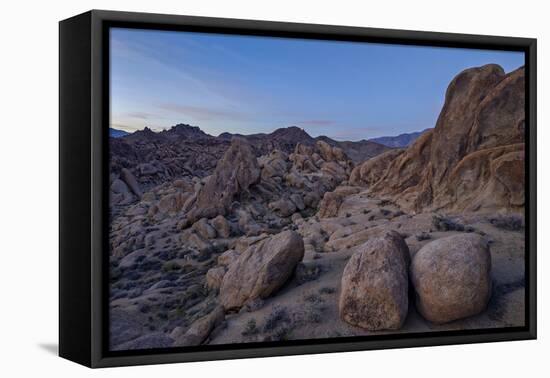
[399, 141]
[284, 138]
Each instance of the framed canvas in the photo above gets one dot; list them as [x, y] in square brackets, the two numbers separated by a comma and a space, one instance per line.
[235, 188]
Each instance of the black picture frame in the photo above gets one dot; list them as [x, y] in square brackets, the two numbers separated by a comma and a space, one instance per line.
[83, 141]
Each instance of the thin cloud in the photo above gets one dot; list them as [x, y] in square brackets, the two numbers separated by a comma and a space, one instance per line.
[140, 115]
[204, 113]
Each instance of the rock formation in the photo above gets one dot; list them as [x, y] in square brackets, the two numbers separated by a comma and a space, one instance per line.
[262, 269]
[477, 141]
[235, 172]
[452, 277]
[374, 292]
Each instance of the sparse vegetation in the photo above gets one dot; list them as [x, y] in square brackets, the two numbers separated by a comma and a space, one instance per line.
[170, 266]
[508, 222]
[313, 298]
[307, 272]
[250, 328]
[314, 314]
[423, 236]
[327, 290]
[446, 224]
[278, 316]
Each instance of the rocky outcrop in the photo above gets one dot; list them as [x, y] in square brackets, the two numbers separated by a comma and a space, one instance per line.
[261, 269]
[452, 277]
[222, 226]
[234, 173]
[201, 328]
[214, 278]
[370, 171]
[374, 293]
[331, 202]
[131, 181]
[482, 120]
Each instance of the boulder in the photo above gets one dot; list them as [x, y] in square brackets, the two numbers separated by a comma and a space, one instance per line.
[274, 165]
[172, 203]
[228, 257]
[131, 181]
[204, 229]
[325, 150]
[214, 277]
[201, 328]
[374, 292]
[222, 226]
[261, 269]
[284, 207]
[452, 277]
[332, 200]
[120, 193]
[234, 174]
[298, 200]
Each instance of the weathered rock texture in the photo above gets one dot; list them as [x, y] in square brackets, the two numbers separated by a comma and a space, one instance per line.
[452, 277]
[200, 329]
[370, 171]
[234, 173]
[473, 159]
[262, 269]
[375, 284]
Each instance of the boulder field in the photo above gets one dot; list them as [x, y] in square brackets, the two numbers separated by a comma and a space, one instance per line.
[269, 237]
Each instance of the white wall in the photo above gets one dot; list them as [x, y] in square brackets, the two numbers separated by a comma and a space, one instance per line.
[29, 189]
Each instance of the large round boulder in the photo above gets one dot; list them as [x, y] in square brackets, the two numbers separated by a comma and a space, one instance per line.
[374, 293]
[452, 277]
[261, 269]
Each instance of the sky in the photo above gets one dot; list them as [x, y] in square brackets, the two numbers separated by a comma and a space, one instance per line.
[249, 84]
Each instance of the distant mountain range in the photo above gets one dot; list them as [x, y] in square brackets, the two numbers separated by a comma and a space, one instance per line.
[399, 141]
[115, 133]
[284, 139]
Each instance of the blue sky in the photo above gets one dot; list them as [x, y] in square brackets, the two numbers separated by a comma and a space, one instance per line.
[246, 84]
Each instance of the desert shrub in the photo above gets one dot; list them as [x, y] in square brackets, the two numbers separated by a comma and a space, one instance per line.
[385, 212]
[282, 334]
[250, 328]
[327, 290]
[423, 236]
[170, 266]
[314, 314]
[508, 222]
[144, 308]
[278, 316]
[313, 298]
[306, 273]
[366, 211]
[446, 224]
[253, 305]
